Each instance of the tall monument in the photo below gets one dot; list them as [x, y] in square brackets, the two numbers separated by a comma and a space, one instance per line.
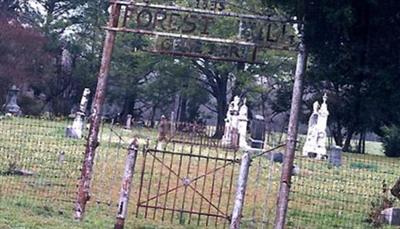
[242, 124]
[236, 124]
[316, 134]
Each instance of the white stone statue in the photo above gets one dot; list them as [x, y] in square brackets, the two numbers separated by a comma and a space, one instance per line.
[235, 104]
[316, 134]
[236, 123]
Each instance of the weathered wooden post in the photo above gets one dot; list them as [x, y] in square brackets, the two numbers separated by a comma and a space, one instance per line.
[126, 184]
[92, 141]
[287, 167]
[240, 191]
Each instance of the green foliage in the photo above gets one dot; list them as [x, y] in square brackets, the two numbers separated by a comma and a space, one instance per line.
[360, 165]
[391, 141]
[30, 106]
[351, 45]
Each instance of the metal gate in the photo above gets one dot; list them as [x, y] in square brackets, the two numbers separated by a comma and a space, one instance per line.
[187, 184]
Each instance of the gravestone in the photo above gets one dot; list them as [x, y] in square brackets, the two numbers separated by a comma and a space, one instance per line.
[75, 131]
[315, 144]
[335, 156]
[128, 124]
[11, 106]
[311, 140]
[236, 124]
[173, 123]
[276, 157]
[242, 124]
[257, 130]
[231, 123]
[61, 157]
[391, 216]
[162, 129]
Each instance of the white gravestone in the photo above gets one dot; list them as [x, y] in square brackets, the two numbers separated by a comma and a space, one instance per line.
[75, 131]
[242, 124]
[226, 138]
[236, 124]
[316, 134]
[128, 124]
[173, 124]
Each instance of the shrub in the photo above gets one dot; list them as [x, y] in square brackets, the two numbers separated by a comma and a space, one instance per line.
[30, 106]
[360, 165]
[391, 141]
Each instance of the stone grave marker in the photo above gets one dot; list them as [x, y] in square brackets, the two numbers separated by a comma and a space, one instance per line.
[315, 144]
[391, 216]
[335, 156]
[11, 106]
[128, 124]
[163, 129]
[257, 129]
[75, 131]
[242, 124]
[231, 123]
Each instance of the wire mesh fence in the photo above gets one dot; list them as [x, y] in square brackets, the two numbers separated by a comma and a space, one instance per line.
[38, 163]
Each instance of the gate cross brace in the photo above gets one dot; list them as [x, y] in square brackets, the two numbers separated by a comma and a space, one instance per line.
[187, 185]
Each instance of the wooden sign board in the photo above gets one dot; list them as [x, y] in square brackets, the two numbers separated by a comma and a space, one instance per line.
[213, 34]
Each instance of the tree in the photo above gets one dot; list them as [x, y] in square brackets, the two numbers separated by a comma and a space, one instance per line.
[352, 45]
[24, 59]
[214, 79]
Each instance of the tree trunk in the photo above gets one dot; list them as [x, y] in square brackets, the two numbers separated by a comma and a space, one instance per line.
[182, 111]
[347, 142]
[337, 134]
[129, 105]
[153, 114]
[222, 108]
[359, 142]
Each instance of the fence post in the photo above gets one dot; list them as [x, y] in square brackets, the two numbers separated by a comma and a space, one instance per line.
[83, 194]
[126, 184]
[287, 167]
[240, 191]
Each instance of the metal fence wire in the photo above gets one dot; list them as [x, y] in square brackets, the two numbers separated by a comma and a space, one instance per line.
[188, 179]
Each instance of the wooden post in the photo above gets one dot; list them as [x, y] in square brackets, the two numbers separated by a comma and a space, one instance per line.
[283, 195]
[240, 191]
[126, 185]
[92, 141]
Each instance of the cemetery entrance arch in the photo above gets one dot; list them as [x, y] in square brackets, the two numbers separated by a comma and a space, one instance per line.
[187, 31]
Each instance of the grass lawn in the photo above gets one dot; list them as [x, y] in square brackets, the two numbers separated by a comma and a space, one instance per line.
[322, 196]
